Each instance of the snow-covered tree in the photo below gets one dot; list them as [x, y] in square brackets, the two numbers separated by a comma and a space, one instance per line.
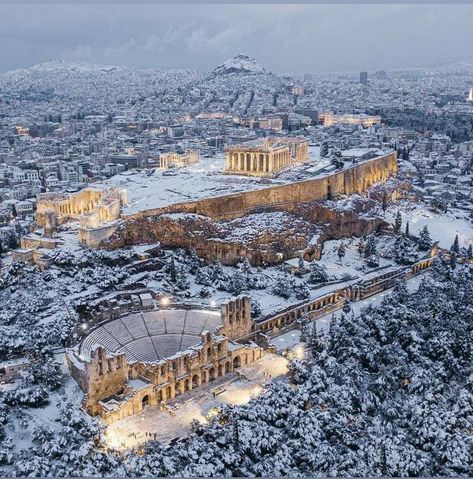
[318, 273]
[425, 241]
[283, 286]
[336, 158]
[341, 251]
[455, 248]
[398, 222]
[324, 149]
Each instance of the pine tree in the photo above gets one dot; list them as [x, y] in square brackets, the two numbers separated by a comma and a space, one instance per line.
[404, 251]
[469, 252]
[255, 308]
[455, 248]
[324, 149]
[301, 270]
[336, 158]
[318, 273]
[283, 287]
[453, 260]
[425, 241]
[361, 247]
[407, 229]
[398, 222]
[301, 291]
[238, 283]
[172, 270]
[341, 251]
[405, 154]
[384, 204]
[373, 261]
[370, 247]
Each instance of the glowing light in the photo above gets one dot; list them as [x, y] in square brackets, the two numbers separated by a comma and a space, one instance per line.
[165, 301]
[83, 326]
[213, 413]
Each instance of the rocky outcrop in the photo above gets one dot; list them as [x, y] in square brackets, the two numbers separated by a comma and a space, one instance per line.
[263, 238]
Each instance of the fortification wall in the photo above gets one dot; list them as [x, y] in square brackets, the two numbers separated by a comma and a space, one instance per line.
[356, 179]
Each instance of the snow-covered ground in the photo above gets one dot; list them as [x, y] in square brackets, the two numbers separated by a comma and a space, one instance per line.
[156, 188]
[442, 227]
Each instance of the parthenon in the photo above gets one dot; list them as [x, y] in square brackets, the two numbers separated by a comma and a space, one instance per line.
[265, 157]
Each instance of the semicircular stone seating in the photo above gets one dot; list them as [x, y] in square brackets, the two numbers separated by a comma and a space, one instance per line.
[151, 336]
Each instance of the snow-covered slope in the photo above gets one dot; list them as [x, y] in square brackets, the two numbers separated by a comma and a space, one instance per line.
[239, 64]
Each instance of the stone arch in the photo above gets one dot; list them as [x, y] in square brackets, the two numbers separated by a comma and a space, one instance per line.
[220, 370]
[211, 374]
[236, 362]
[144, 401]
[195, 380]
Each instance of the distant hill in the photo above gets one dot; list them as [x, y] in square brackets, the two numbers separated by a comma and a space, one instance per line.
[239, 64]
[72, 67]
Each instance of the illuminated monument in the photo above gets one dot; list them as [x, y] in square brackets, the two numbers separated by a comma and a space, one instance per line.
[265, 157]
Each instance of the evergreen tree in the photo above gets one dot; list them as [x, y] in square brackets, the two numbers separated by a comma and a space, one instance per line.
[255, 308]
[455, 248]
[2, 248]
[194, 262]
[182, 281]
[405, 154]
[425, 241]
[453, 260]
[469, 252]
[384, 203]
[336, 158]
[404, 251]
[370, 247]
[361, 247]
[283, 287]
[324, 149]
[318, 273]
[341, 251]
[398, 222]
[202, 276]
[373, 261]
[301, 267]
[301, 291]
[238, 283]
[172, 270]
[407, 229]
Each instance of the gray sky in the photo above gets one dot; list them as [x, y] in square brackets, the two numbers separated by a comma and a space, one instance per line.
[283, 38]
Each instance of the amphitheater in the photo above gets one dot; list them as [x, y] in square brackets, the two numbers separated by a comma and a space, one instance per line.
[150, 357]
[151, 336]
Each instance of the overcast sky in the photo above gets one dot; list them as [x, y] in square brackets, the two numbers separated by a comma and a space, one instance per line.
[283, 38]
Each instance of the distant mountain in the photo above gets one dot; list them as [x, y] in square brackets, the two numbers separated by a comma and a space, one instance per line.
[72, 67]
[239, 64]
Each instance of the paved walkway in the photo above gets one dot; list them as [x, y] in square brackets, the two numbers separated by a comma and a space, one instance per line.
[235, 389]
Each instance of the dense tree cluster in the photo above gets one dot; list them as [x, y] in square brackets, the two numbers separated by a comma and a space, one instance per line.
[388, 393]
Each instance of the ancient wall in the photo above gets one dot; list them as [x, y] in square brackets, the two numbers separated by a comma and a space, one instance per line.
[94, 236]
[107, 375]
[356, 179]
[236, 317]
